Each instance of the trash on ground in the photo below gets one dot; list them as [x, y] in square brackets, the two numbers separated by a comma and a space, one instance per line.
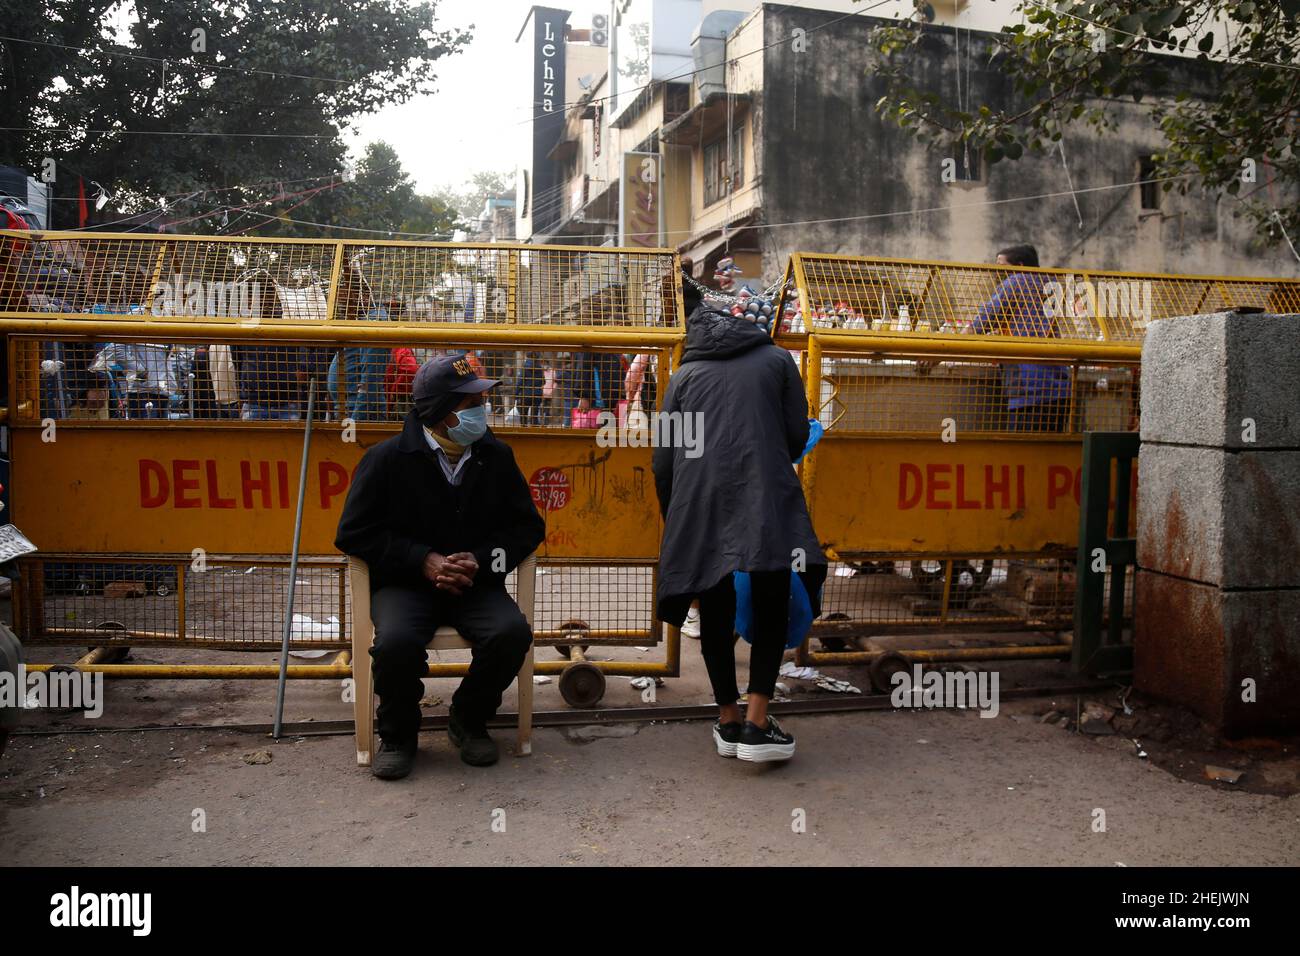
[257, 757]
[791, 669]
[596, 731]
[305, 629]
[836, 686]
[541, 679]
[1224, 774]
[1096, 726]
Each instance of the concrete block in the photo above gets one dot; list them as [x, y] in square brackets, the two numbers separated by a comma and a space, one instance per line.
[1204, 375]
[1226, 518]
[1195, 645]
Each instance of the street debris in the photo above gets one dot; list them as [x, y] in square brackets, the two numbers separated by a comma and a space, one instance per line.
[591, 732]
[791, 669]
[832, 684]
[642, 683]
[306, 629]
[1223, 774]
[1096, 718]
[257, 757]
[836, 686]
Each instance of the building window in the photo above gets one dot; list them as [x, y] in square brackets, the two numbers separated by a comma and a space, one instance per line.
[717, 182]
[677, 100]
[1147, 186]
[967, 163]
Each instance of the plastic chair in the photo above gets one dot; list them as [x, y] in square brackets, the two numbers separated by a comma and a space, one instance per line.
[444, 638]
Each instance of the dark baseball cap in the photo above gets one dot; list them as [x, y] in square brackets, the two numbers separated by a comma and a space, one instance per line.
[439, 383]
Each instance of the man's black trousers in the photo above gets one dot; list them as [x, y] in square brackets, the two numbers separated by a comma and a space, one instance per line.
[405, 619]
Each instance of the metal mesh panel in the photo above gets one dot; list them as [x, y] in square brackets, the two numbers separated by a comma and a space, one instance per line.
[907, 591]
[311, 281]
[584, 603]
[239, 603]
[129, 381]
[234, 603]
[887, 394]
[895, 296]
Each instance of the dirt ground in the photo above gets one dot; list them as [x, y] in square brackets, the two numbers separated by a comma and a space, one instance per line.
[871, 788]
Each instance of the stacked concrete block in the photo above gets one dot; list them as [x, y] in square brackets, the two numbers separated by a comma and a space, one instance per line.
[1218, 520]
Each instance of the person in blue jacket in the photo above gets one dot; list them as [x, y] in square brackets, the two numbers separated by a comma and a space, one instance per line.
[1038, 395]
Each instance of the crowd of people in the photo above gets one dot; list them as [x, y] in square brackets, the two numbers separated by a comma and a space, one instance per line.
[268, 380]
[372, 383]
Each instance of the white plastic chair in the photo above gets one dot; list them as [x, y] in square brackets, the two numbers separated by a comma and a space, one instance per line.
[444, 638]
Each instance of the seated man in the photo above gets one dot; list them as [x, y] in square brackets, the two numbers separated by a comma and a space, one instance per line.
[1038, 396]
[441, 513]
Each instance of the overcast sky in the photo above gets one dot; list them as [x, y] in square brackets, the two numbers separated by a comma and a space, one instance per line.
[473, 120]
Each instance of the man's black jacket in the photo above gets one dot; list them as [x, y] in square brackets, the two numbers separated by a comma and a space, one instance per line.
[401, 506]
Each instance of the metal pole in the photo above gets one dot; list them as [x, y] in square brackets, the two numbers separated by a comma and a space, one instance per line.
[293, 563]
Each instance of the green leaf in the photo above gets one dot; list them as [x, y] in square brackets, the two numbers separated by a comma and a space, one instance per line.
[1129, 24]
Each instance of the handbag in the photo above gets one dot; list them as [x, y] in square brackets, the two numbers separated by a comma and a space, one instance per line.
[800, 609]
[585, 418]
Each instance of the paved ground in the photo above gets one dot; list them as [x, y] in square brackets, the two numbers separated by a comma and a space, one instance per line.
[875, 788]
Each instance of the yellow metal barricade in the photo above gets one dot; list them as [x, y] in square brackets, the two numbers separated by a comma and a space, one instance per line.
[158, 385]
[940, 503]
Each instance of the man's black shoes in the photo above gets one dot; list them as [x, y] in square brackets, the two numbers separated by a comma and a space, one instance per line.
[476, 748]
[394, 760]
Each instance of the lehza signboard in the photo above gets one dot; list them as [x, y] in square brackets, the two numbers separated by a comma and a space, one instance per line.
[548, 107]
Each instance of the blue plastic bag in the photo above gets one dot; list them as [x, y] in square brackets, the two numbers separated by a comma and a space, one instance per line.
[814, 436]
[800, 609]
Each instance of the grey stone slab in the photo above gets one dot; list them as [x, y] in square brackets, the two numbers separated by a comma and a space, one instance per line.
[1205, 378]
[1197, 645]
[1226, 518]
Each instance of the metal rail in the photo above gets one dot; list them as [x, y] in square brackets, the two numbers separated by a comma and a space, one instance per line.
[572, 717]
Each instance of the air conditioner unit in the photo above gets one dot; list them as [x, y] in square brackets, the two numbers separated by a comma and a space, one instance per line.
[599, 29]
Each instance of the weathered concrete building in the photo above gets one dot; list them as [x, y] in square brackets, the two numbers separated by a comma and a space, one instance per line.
[770, 143]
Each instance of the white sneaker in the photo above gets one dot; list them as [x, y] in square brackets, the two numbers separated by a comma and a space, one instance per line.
[691, 626]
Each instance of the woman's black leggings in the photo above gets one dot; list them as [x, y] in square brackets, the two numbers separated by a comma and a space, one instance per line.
[771, 600]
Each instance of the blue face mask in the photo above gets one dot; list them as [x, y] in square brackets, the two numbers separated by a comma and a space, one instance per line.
[470, 426]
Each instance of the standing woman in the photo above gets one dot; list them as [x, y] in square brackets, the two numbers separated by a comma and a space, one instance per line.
[732, 502]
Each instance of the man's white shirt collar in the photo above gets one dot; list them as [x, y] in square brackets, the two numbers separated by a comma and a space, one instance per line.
[453, 472]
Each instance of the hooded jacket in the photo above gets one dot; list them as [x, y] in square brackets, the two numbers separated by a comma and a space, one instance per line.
[734, 502]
